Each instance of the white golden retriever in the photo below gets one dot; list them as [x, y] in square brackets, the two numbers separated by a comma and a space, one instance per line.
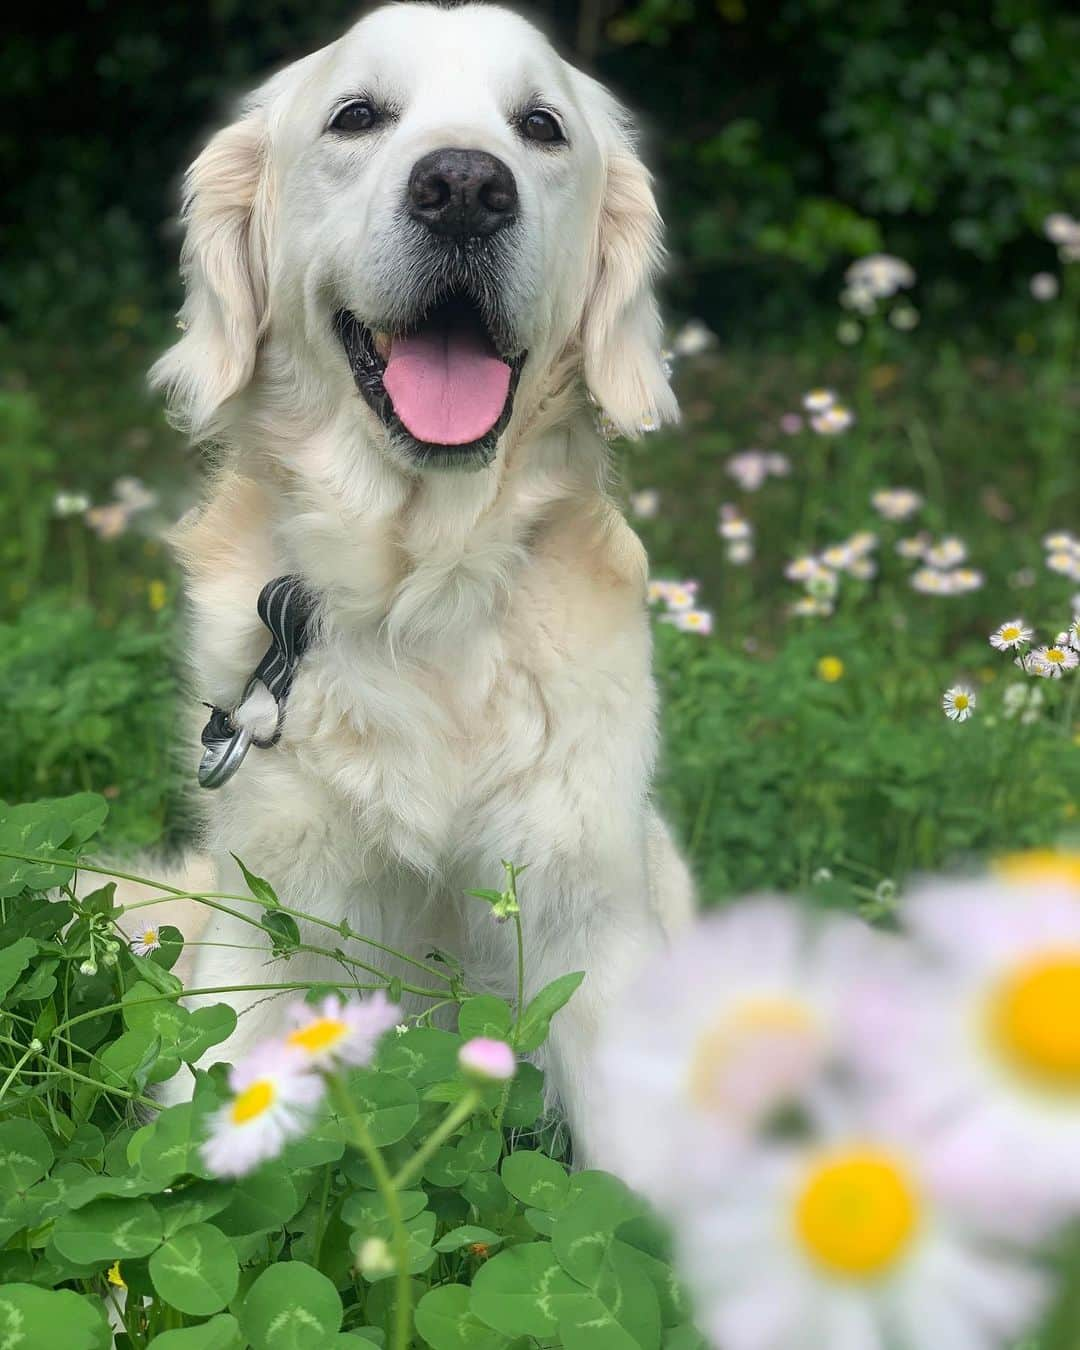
[406, 263]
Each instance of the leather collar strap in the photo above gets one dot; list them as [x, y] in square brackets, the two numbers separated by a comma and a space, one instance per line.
[286, 607]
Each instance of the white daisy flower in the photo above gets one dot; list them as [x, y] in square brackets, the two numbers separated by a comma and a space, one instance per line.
[70, 504]
[882, 274]
[680, 595]
[802, 568]
[749, 468]
[740, 552]
[1045, 286]
[1060, 228]
[964, 579]
[658, 589]
[134, 494]
[991, 1048]
[1011, 634]
[339, 1032]
[809, 607]
[736, 1021]
[862, 542]
[947, 552]
[863, 569]
[1052, 662]
[914, 546]
[823, 585]
[778, 465]
[691, 621]
[147, 940]
[833, 420]
[274, 1099]
[645, 504]
[837, 556]
[958, 703]
[1074, 634]
[693, 338]
[1060, 541]
[818, 400]
[1065, 562]
[871, 1237]
[896, 503]
[648, 422]
[930, 581]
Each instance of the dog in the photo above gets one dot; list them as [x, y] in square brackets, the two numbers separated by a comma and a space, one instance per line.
[413, 263]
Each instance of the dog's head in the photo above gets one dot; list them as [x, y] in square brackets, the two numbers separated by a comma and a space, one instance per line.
[434, 210]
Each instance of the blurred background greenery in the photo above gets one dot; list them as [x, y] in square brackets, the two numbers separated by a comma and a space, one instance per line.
[789, 137]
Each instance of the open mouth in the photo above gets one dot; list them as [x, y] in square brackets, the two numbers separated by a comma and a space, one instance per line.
[442, 385]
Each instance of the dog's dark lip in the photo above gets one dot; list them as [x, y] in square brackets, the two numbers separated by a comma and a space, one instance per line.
[367, 366]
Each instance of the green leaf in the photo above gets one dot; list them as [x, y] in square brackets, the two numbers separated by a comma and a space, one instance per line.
[153, 974]
[284, 934]
[536, 1019]
[526, 1100]
[423, 1055]
[13, 961]
[466, 1236]
[25, 1155]
[585, 1230]
[591, 1326]
[485, 1015]
[85, 813]
[480, 1149]
[445, 1321]
[196, 1270]
[259, 1203]
[31, 1317]
[366, 1210]
[107, 1230]
[446, 1167]
[291, 1306]
[535, 1179]
[259, 888]
[220, 1333]
[387, 1104]
[193, 1204]
[524, 1291]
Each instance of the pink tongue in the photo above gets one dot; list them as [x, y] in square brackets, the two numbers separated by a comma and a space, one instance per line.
[445, 384]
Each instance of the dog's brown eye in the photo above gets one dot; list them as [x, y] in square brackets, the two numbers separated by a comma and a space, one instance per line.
[359, 115]
[541, 126]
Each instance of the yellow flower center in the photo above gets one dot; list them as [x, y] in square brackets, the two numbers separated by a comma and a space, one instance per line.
[1010, 632]
[1034, 1020]
[150, 937]
[748, 1032]
[1048, 865]
[960, 701]
[319, 1035]
[830, 669]
[1055, 654]
[856, 1213]
[253, 1101]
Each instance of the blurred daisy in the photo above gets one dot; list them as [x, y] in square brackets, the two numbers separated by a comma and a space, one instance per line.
[862, 542]
[802, 568]
[693, 338]
[930, 581]
[648, 422]
[818, 400]
[1060, 228]
[896, 503]
[837, 556]
[1045, 286]
[134, 494]
[1040, 866]
[1052, 662]
[1023, 701]
[778, 465]
[791, 424]
[882, 274]
[1065, 562]
[740, 552]
[947, 552]
[146, 941]
[1001, 1028]
[680, 596]
[657, 589]
[645, 504]
[904, 318]
[809, 607]
[1011, 634]
[691, 621]
[863, 569]
[958, 703]
[964, 579]
[914, 546]
[1074, 633]
[833, 420]
[737, 1021]
[108, 522]
[867, 1238]
[1061, 541]
[749, 468]
[274, 1099]
[823, 585]
[339, 1032]
[732, 525]
[70, 504]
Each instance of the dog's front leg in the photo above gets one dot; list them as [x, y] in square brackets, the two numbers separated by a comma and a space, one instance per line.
[595, 917]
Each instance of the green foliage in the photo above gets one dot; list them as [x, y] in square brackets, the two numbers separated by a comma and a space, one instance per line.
[500, 1242]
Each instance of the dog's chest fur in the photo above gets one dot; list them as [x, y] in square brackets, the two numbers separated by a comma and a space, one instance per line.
[449, 717]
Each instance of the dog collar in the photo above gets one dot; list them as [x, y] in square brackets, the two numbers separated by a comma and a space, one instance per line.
[285, 607]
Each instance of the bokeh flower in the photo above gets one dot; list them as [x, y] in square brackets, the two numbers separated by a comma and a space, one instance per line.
[690, 620]
[645, 504]
[819, 400]
[896, 503]
[880, 274]
[693, 338]
[1045, 286]
[830, 669]
[489, 1060]
[275, 1095]
[833, 420]
[947, 552]
[337, 1031]
[70, 504]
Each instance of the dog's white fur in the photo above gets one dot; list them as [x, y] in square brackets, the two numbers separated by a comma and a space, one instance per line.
[480, 686]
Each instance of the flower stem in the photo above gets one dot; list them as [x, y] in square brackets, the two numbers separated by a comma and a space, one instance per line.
[388, 1190]
[450, 1122]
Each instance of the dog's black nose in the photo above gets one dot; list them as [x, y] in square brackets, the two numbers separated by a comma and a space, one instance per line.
[462, 193]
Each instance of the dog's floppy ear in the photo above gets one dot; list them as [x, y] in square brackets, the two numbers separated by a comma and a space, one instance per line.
[621, 332]
[224, 262]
